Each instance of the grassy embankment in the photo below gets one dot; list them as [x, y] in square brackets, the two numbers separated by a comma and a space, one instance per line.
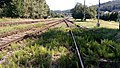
[104, 24]
[52, 48]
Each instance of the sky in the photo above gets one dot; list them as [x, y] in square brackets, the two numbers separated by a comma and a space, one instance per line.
[68, 4]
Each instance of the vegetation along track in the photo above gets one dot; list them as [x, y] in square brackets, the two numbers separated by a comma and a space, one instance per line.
[5, 41]
[101, 62]
[75, 43]
[2, 24]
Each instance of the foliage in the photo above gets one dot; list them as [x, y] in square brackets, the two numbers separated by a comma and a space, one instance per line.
[78, 12]
[56, 14]
[36, 54]
[110, 6]
[60, 14]
[98, 44]
[24, 8]
[68, 61]
[109, 16]
[94, 44]
[1, 56]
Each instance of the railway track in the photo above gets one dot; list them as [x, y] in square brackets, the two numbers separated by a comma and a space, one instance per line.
[82, 27]
[75, 43]
[23, 30]
[2, 24]
[7, 40]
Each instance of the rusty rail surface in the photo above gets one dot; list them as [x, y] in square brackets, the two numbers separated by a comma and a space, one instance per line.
[6, 41]
[23, 30]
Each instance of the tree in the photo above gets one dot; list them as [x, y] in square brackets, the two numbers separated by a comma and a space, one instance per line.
[113, 16]
[90, 13]
[24, 8]
[109, 16]
[4, 2]
[110, 6]
[78, 12]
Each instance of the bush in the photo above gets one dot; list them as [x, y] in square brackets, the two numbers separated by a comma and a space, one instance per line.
[109, 16]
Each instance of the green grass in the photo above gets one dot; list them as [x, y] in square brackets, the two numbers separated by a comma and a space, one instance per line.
[94, 44]
[105, 24]
[22, 19]
[17, 27]
[10, 19]
[41, 51]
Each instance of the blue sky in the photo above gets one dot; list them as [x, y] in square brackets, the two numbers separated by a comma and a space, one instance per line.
[68, 4]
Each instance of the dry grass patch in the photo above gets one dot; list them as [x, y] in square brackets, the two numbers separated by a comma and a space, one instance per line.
[92, 23]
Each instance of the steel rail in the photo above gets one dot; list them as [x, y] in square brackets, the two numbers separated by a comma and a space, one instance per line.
[23, 30]
[78, 53]
[4, 42]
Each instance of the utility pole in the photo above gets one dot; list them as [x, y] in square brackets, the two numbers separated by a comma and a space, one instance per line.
[98, 15]
[84, 12]
[119, 19]
[119, 24]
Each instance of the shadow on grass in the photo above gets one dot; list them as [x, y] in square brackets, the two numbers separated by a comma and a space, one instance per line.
[54, 38]
[97, 34]
[99, 43]
[58, 37]
[94, 44]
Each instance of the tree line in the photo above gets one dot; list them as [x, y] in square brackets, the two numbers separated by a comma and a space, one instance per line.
[91, 12]
[109, 16]
[110, 6]
[78, 12]
[24, 8]
[60, 14]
